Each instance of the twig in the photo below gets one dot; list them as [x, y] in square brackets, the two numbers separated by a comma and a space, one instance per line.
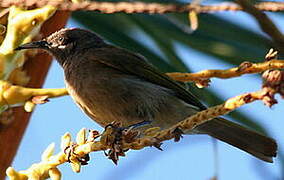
[244, 68]
[12, 95]
[140, 7]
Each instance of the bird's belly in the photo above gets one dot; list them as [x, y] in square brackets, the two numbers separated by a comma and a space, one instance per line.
[130, 101]
[86, 106]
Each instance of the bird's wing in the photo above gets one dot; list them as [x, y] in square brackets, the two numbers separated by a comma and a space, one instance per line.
[132, 63]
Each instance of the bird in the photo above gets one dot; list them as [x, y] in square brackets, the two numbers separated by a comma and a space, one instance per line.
[110, 84]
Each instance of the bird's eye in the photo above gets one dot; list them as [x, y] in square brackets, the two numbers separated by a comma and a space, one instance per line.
[61, 39]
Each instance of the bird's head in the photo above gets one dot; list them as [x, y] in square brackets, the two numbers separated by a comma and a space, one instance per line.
[66, 42]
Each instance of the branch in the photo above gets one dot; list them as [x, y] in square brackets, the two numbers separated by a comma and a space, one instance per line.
[139, 7]
[12, 95]
[244, 68]
[77, 152]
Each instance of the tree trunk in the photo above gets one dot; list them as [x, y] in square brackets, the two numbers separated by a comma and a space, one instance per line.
[37, 68]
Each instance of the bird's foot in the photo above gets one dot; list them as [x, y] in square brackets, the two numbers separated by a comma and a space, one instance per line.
[177, 132]
[71, 155]
[114, 136]
[137, 125]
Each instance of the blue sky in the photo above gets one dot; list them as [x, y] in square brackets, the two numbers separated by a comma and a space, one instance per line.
[191, 158]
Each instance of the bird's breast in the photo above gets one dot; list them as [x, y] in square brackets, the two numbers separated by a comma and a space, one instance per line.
[108, 95]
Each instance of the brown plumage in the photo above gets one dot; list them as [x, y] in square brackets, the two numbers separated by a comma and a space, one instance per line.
[113, 84]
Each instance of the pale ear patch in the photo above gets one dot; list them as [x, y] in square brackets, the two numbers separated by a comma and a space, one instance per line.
[61, 47]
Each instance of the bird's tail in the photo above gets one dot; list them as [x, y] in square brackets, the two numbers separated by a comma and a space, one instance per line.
[250, 141]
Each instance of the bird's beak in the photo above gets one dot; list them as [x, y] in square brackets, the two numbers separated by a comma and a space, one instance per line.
[33, 45]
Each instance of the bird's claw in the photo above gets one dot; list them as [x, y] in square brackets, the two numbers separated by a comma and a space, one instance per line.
[114, 136]
[70, 153]
[177, 132]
